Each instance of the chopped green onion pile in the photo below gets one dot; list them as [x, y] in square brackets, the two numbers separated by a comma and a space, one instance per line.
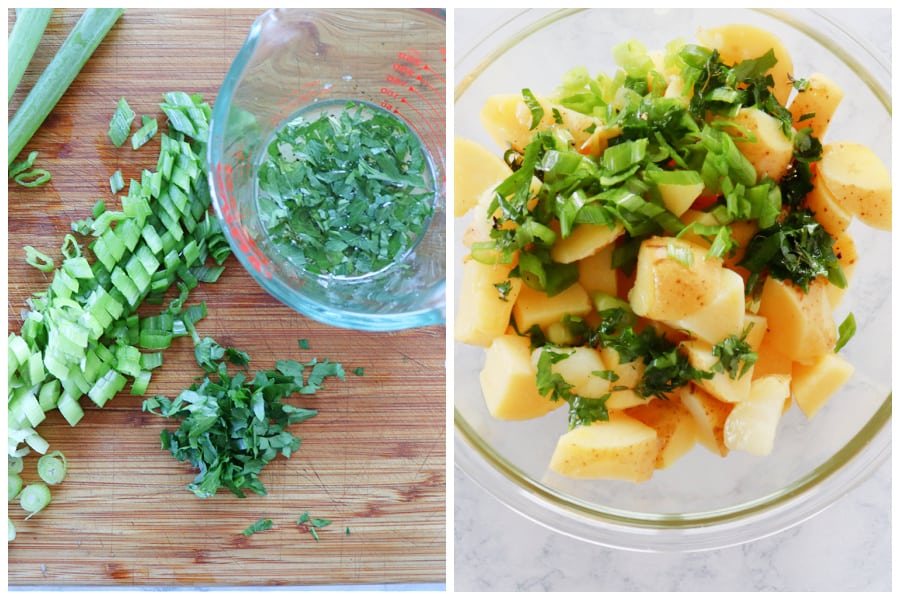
[82, 336]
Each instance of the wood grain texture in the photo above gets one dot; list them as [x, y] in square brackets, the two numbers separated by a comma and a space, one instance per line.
[373, 461]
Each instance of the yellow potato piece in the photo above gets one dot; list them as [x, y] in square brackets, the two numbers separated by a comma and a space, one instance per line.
[800, 324]
[676, 431]
[674, 279]
[508, 381]
[737, 43]
[534, 307]
[482, 313]
[833, 218]
[859, 182]
[507, 119]
[815, 383]
[586, 239]
[721, 386]
[845, 250]
[721, 317]
[629, 374]
[621, 448]
[678, 198]
[709, 416]
[770, 151]
[475, 170]
[756, 330]
[770, 360]
[596, 273]
[752, 425]
[815, 106]
[580, 369]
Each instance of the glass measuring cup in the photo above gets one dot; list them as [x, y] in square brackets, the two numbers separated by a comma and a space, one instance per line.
[302, 61]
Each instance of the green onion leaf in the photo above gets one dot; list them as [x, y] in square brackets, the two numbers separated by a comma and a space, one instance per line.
[846, 330]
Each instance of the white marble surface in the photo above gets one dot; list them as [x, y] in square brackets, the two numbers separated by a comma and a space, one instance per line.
[845, 548]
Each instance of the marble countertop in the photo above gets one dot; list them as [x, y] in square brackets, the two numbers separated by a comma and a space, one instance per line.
[844, 548]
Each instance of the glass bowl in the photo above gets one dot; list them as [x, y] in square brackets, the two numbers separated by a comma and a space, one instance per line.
[702, 501]
[305, 62]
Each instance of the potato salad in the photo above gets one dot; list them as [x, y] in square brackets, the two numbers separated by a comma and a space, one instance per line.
[660, 250]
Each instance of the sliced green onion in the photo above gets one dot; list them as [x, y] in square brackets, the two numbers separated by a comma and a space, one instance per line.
[846, 330]
[24, 39]
[86, 35]
[33, 178]
[537, 111]
[143, 135]
[13, 486]
[52, 467]
[38, 260]
[116, 182]
[16, 464]
[120, 123]
[12, 530]
[34, 498]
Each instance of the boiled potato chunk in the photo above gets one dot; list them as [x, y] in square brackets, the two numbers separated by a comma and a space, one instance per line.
[678, 198]
[722, 317]
[815, 383]
[833, 218]
[737, 43]
[709, 416]
[752, 425]
[859, 182]
[483, 313]
[770, 360]
[596, 273]
[508, 381]
[621, 448]
[845, 250]
[534, 307]
[628, 375]
[799, 324]
[771, 151]
[507, 119]
[818, 103]
[755, 325]
[585, 240]
[676, 431]
[476, 170]
[580, 368]
[721, 385]
[674, 279]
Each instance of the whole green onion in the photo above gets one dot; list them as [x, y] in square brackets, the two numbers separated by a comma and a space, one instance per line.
[24, 38]
[89, 31]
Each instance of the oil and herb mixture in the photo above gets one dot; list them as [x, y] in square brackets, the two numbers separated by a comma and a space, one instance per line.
[346, 191]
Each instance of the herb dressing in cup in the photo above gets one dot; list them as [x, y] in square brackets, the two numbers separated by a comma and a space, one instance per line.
[303, 62]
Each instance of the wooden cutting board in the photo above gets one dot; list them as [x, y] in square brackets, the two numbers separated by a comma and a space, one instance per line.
[373, 460]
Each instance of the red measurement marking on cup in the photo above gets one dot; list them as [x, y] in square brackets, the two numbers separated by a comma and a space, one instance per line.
[415, 87]
[247, 247]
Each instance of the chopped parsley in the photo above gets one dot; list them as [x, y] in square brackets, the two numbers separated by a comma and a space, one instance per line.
[312, 525]
[345, 194]
[795, 249]
[261, 525]
[735, 355]
[231, 427]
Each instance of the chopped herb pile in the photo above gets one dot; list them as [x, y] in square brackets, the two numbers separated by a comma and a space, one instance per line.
[231, 427]
[345, 194]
